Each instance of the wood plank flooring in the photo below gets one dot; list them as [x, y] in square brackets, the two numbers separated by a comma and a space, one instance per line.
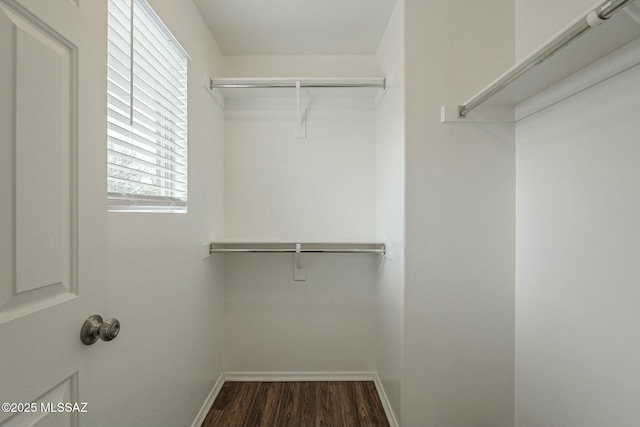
[297, 404]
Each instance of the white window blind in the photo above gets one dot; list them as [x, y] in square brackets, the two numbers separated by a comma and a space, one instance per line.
[146, 111]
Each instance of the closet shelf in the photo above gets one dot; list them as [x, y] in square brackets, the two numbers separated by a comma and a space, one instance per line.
[247, 246]
[583, 42]
[296, 92]
[299, 94]
[299, 250]
[292, 82]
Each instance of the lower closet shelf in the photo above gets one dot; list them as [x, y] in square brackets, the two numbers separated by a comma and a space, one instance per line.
[295, 247]
[299, 250]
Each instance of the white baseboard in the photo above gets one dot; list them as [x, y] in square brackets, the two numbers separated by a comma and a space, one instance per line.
[204, 410]
[300, 376]
[386, 405]
[296, 376]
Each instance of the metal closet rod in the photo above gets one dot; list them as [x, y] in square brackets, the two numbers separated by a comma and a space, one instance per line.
[606, 10]
[292, 83]
[342, 248]
[293, 250]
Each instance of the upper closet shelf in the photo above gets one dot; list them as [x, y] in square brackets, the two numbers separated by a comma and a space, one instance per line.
[294, 82]
[295, 92]
[595, 34]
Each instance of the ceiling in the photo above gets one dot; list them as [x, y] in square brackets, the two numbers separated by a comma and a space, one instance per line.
[297, 27]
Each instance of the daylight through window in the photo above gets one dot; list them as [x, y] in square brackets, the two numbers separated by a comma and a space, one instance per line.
[146, 111]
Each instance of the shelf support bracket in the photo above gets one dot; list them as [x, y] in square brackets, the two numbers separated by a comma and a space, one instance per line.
[301, 114]
[299, 265]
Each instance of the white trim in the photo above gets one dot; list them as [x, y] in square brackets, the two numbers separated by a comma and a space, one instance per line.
[204, 410]
[615, 63]
[386, 405]
[300, 376]
[297, 376]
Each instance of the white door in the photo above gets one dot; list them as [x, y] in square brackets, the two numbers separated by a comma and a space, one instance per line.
[52, 206]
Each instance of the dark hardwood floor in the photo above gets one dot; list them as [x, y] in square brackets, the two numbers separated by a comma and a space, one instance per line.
[297, 404]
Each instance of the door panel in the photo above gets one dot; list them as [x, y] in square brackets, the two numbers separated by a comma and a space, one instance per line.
[42, 188]
[42, 240]
[49, 414]
[53, 204]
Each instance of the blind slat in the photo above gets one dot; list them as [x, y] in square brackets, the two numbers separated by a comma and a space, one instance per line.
[153, 54]
[116, 77]
[143, 149]
[155, 185]
[122, 56]
[119, 130]
[155, 130]
[152, 189]
[150, 105]
[118, 92]
[118, 138]
[145, 103]
[114, 156]
[119, 107]
[159, 83]
[163, 44]
[151, 21]
[117, 154]
[152, 116]
[145, 174]
[141, 203]
[157, 134]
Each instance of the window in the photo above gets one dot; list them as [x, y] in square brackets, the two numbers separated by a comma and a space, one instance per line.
[146, 111]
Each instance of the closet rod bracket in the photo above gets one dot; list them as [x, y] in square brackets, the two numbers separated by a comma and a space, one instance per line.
[299, 265]
[486, 113]
[301, 114]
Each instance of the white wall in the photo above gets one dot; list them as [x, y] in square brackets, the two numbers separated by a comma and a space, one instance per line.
[578, 239]
[169, 301]
[281, 188]
[324, 324]
[390, 209]
[321, 187]
[538, 21]
[578, 228]
[299, 66]
[460, 202]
